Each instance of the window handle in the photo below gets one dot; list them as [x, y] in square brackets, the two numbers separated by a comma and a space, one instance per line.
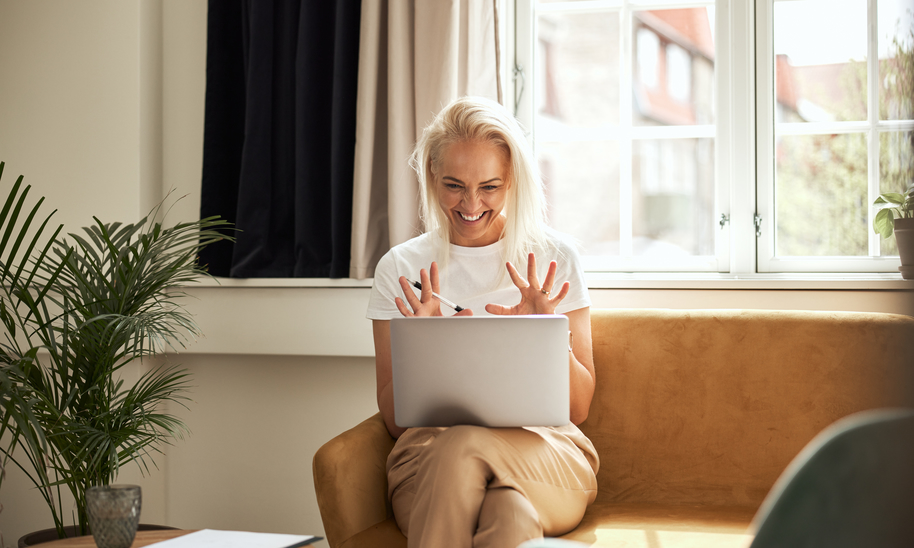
[758, 225]
[724, 219]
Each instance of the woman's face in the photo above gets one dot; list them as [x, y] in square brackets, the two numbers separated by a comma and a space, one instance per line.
[472, 187]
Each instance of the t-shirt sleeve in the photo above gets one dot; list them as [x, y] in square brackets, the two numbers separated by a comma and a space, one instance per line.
[572, 271]
[385, 289]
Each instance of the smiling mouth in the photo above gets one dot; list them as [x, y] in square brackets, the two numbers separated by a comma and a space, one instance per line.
[469, 218]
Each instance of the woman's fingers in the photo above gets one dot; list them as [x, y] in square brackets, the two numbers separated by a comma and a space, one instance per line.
[556, 299]
[498, 309]
[535, 298]
[532, 279]
[426, 282]
[401, 306]
[409, 294]
[433, 276]
[550, 277]
[515, 277]
[425, 304]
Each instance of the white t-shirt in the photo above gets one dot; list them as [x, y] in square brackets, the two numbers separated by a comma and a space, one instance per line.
[473, 276]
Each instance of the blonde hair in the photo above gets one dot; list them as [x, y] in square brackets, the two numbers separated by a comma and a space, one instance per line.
[481, 120]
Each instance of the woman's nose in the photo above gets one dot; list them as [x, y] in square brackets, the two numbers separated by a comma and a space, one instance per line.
[470, 198]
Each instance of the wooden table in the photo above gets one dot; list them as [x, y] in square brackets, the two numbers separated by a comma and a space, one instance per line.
[143, 538]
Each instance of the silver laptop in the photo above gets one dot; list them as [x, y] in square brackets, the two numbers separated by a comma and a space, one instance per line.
[484, 370]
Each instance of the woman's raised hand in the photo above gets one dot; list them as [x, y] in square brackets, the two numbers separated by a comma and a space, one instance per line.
[426, 304]
[534, 297]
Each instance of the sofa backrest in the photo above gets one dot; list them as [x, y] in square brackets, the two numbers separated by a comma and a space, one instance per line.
[710, 406]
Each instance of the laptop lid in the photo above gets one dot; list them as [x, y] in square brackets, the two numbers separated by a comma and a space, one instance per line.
[497, 371]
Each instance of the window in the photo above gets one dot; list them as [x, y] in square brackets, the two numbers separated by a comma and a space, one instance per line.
[835, 130]
[713, 136]
[624, 129]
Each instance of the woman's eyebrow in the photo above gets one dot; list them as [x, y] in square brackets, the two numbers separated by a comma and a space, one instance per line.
[461, 182]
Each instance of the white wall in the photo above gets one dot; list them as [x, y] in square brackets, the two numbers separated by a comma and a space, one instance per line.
[69, 102]
[257, 422]
[101, 108]
[76, 120]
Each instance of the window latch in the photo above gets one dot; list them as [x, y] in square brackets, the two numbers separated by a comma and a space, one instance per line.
[758, 225]
[724, 219]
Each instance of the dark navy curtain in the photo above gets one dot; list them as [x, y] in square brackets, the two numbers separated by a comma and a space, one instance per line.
[279, 135]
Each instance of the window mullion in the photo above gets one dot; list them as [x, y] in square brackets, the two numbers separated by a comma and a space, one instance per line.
[524, 51]
[625, 121]
[872, 85]
[736, 44]
[765, 133]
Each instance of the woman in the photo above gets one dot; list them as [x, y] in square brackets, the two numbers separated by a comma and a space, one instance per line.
[483, 209]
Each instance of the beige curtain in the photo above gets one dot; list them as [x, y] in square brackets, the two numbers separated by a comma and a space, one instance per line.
[415, 56]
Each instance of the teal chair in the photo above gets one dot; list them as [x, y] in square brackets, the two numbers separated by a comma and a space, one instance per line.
[853, 486]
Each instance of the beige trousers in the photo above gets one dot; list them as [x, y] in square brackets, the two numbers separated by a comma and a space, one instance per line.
[470, 486]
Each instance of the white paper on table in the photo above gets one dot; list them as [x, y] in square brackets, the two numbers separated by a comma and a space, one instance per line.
[211, 538]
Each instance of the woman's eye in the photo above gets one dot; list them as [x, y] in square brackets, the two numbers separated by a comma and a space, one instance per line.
[490, 187]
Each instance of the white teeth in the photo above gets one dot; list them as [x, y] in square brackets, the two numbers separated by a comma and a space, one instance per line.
[466, 218]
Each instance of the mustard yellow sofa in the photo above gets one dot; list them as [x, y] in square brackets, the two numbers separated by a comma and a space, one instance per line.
[696, 414]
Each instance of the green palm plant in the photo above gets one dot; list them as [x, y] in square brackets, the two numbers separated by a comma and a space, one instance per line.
[22, 307]
[76, 313]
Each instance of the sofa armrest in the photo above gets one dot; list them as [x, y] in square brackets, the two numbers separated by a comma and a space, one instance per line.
[350, 479]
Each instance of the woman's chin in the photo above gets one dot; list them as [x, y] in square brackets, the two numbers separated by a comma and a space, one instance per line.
[476, 233]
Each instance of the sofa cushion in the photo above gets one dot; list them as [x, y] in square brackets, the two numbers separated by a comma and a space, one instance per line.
[631, 525]
[639, 525]
[709, 406]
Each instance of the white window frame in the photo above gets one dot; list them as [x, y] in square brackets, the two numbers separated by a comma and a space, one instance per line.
[744, 85]
[767, 261]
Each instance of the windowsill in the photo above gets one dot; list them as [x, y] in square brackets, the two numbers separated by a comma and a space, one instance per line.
[326, 317]
[607, 280]
[779, 281]
[282, 282]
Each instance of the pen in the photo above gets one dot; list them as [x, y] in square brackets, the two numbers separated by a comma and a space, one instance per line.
[418, 286]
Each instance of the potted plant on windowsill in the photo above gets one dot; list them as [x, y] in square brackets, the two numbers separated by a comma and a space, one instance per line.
[77, 311]
[896, 215]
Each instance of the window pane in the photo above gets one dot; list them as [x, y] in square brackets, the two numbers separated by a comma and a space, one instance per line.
[577, 77]
[896, 59]
[674, 67]
[590, 118]
[821, 196]
[896, 171]
[582, 190]
[673, 197]
[820, 68]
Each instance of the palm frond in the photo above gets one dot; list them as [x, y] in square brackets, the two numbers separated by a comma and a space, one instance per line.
[93, 301]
